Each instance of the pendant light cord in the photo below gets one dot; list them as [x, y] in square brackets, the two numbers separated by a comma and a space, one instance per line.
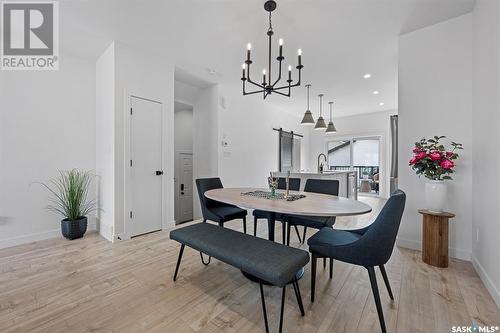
[308, 87]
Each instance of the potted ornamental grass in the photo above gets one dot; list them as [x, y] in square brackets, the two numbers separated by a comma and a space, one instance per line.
[70, 199]
[436, 163]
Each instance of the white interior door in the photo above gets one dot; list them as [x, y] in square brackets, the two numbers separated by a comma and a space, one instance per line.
[145, 166]
[185, 188]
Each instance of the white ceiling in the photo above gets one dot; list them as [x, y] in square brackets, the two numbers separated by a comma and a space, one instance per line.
[341, 39]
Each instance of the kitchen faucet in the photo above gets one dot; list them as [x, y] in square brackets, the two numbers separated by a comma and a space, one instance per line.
[320, 169]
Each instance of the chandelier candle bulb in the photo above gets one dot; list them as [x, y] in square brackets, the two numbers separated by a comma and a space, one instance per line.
[243, 71]
[299, 53]
[264, 77]
[249, 48]
[281, 46]
[290, 73]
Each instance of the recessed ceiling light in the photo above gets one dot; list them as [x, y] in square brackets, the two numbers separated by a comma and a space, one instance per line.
[367, 76]
[211, 71]
[381, 103]
[376, 92]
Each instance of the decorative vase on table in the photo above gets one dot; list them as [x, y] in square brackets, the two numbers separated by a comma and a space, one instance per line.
[435, 162]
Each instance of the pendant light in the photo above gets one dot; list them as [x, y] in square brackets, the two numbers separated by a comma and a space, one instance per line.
[331, 127]
[320, 124]
[308, 119]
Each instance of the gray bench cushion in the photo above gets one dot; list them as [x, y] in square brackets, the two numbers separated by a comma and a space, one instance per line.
[269, 261]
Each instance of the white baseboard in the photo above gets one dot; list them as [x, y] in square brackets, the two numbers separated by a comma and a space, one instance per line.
[55, 233]
[490, 286]
[417, 245]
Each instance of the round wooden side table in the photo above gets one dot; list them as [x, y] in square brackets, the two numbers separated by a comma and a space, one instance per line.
[435, 237]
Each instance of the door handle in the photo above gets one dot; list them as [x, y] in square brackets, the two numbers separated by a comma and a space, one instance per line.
[182, 187]
[159, 172]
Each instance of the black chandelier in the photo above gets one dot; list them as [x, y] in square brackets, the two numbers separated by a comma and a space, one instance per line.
[267, 87]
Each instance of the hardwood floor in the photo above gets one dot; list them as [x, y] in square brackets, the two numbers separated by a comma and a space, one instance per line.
[91, 285]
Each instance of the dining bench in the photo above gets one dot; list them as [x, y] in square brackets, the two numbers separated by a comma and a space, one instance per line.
[268, 262]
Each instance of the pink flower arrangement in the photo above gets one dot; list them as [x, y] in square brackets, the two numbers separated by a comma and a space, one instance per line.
[433, 160]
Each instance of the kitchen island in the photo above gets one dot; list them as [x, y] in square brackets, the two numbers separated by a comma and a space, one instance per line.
[347, 180]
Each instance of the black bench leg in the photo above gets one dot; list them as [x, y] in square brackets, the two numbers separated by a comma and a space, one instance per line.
[386, 280]
[296, 288]
[282, 308]
[204, 220]
[324, 263]
[263, 306]
[376, 296]
[178, 261]
[313, 276]
[304, 235]
[255, 226]
[203, 261]
[245, 225]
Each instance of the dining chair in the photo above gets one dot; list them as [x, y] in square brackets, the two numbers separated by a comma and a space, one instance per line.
[322, 186]
[368, 247]
[293, 185]
[214, 210]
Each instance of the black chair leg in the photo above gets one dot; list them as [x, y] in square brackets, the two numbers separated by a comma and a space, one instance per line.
[255, 226]
[283, 231]
[386, 280]
[264, 306]
[282, 308]
[324, 263]
[204, 220]
[296, 288]
[245, 225]
[178, 261]
[221, 224]
[298, 234]
[331, 268]
[203, 261]
[313, 276]
[304, 235]
[376, 296]
[288, 234]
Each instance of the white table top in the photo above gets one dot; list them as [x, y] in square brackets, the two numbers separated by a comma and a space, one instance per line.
[313, 204]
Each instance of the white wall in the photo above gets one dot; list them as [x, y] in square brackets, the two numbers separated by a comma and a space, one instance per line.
[246, 123]
[183, 129]
[105, 138]
[485, 143]
[364, 125]
[47, 122]
[435, 75]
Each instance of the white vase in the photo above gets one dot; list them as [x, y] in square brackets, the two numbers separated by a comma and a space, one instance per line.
[435, 195]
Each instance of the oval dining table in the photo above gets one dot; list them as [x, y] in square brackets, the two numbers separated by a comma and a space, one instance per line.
[312, 204]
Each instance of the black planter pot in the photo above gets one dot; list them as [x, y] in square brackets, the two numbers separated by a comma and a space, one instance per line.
[73, 229]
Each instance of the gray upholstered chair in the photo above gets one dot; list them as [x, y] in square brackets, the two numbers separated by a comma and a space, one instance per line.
[323, 186]
[368, 247]
[214, 210]
[293, 185]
